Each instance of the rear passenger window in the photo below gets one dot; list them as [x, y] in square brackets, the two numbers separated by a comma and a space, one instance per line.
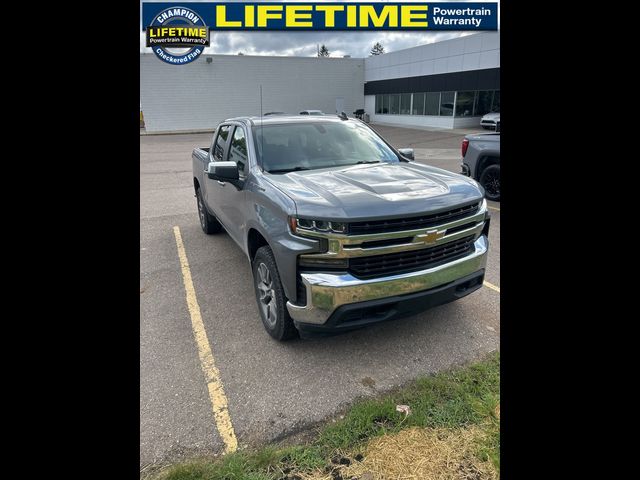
[238, 151]
[221, 141]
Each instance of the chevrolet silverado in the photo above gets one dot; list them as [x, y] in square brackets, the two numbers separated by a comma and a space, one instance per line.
[340, 228]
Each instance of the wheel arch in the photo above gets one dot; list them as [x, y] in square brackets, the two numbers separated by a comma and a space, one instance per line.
[255, 240]
[484, 162]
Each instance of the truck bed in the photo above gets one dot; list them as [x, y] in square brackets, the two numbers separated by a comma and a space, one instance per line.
[200, 153]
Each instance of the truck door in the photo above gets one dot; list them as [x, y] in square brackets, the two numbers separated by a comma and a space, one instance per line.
[233, 196]
[213, 188]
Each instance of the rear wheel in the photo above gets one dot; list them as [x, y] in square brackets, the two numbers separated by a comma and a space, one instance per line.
[208, 222]
[490, 181]
[272, 303]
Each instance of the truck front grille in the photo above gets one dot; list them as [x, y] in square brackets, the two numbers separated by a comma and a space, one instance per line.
[403, 262]
[400, 224]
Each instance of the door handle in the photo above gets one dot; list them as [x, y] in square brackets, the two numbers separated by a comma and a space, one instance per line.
[221, 183]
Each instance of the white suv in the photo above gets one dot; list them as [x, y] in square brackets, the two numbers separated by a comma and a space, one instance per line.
[491, 121]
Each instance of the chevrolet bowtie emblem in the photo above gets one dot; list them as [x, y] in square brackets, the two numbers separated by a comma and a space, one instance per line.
[430, 236]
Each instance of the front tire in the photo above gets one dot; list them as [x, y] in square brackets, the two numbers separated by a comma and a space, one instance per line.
[272, 302]
[208, 222]
[490, 181]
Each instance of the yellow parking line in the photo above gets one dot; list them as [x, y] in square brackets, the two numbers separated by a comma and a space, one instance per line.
[491, 286]
[217, 396]
[494, 208]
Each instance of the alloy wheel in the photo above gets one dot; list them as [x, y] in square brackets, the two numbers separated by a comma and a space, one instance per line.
[267, 296]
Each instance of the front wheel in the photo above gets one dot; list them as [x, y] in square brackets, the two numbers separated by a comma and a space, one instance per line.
[490, 181]
[270, 296]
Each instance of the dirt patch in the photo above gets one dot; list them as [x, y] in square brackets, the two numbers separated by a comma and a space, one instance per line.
[368, 382]
[416, 454]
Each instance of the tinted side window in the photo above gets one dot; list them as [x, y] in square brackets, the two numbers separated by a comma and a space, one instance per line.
[221, 141]
[238, 151]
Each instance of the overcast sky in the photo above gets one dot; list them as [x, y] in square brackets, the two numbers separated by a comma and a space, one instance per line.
[304, 44]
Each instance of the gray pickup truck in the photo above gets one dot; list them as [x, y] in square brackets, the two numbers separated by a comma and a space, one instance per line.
[340, 228]
[481, 161]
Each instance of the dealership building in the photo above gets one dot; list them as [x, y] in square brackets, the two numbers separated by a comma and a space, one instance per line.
[448, 84]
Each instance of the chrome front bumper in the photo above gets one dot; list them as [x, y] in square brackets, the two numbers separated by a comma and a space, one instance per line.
[328, 291]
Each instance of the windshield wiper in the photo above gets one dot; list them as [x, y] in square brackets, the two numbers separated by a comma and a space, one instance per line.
[367, 161]
[285, 170]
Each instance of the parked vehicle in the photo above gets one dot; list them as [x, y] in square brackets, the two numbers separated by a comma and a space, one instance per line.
[311, 112]
[481, 161]
[340, 228]
[491, 121]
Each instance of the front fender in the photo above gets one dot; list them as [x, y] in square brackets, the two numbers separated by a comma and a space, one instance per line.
[269, 209]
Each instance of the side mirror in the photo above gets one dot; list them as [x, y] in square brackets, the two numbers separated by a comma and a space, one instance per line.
[407, 152]
[224, 171]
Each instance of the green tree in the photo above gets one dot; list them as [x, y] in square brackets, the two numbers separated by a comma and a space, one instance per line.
[377, 49]
[324, 51]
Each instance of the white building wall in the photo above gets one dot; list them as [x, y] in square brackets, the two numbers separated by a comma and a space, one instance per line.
[466, 122]
[199, 95]
[472, 52]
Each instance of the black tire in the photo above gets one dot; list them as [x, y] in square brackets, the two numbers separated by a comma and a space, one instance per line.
[490, 181]
[273, 312]
[208, 222]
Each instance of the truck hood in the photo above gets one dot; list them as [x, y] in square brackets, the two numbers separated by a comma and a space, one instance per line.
[382, 190]
[492, 116]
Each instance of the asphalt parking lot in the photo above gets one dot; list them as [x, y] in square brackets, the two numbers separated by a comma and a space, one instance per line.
[272, 389]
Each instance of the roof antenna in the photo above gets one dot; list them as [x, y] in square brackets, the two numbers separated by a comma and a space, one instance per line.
[261, 135]
[343, 116]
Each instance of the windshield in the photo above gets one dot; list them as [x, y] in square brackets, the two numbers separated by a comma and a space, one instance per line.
[313, 145]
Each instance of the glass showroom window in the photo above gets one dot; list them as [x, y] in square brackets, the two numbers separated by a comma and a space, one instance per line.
[464, 104]
[418, 104]
[432, 104]
[378, 103]
[394, 104]
[385, 103]
[405, 104]
[446, 103]
[495, 107]
[483, 102]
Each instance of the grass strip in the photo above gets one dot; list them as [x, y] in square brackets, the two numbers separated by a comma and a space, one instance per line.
[457, 401]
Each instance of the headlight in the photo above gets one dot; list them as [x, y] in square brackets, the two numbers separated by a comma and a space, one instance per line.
[301, 225]
[483, 205]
